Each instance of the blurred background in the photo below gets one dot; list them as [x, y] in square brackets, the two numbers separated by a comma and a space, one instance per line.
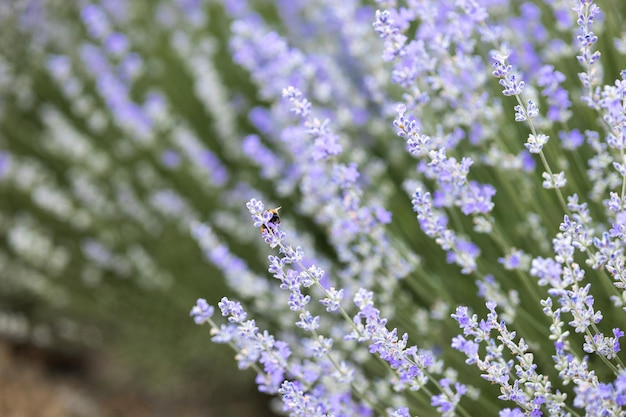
[98, 177]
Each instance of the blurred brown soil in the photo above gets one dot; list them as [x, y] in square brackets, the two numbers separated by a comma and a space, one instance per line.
[39, 383]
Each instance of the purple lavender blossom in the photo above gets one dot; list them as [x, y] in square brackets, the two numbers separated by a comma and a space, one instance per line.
[5, 163]
[202, 311]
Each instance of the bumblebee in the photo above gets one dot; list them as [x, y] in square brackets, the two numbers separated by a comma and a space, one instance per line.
[274, 220]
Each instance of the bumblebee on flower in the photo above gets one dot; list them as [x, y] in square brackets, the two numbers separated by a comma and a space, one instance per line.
[273, 222]
[267, 220]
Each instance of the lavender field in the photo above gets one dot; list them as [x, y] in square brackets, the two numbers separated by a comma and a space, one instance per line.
[373, 208]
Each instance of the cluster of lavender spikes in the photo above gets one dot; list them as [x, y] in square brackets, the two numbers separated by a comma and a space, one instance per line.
[451, 177]
[340, 355]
